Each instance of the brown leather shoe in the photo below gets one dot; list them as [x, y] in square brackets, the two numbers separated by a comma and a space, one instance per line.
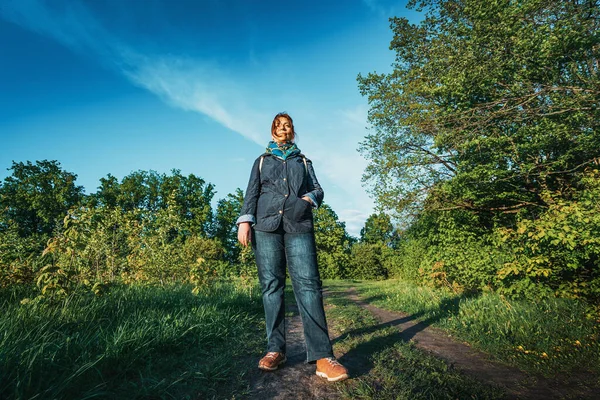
[271, 361]
[331, 369]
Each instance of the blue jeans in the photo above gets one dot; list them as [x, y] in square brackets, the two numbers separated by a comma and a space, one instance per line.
[273, 250]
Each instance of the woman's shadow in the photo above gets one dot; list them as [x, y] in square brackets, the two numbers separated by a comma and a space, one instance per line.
[359, 360]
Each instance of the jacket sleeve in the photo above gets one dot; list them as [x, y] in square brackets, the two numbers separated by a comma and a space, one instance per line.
[315, 191]
[248, 213]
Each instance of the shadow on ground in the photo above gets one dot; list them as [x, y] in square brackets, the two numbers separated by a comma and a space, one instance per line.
[358, 359]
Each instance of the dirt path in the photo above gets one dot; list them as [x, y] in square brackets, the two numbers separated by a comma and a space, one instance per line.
[295, 379]
[461, 356]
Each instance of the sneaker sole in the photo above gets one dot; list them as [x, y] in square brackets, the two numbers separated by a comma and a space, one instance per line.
[337, 378]
[264, 368]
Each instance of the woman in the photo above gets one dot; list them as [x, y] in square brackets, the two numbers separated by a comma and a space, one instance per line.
[277, 219]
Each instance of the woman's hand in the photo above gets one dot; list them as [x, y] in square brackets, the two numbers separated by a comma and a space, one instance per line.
[306, 198]
[244, 233]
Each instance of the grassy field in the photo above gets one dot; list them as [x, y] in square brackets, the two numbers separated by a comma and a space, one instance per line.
[550, 336]
[165, 342]
[134, 342]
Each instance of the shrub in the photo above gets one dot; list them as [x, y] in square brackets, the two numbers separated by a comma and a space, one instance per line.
[19, 257]
[367, 261]
[559, 252]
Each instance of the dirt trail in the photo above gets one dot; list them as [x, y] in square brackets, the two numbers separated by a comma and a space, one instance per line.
[295, 379]
[461, 356]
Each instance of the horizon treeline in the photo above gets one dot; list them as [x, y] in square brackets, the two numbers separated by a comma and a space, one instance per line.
[148, 228]
[483, 159]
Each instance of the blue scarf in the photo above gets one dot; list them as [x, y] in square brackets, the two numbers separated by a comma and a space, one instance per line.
[283, 150]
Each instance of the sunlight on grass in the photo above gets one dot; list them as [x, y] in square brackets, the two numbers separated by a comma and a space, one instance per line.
[134, 341]
[386, 367]
[547, 335]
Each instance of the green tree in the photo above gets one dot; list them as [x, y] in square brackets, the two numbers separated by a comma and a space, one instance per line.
[225, 229]
[19, 257]
[36, 197]
[333, 243]
[379, 229]
[489, 105]
[367, 260]
[190, 196]
[108, 194]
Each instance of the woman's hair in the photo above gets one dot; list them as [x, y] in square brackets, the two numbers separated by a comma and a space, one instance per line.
[276, 119]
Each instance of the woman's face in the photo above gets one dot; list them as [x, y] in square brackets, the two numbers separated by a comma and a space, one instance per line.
[283, 130]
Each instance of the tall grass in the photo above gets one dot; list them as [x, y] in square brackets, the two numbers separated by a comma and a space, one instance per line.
[133, 341]
[550, 335]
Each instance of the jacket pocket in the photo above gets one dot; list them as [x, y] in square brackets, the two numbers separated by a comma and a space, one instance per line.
[302, 210]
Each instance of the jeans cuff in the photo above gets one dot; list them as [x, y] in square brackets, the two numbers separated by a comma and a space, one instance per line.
[311, 358]
[276, 349]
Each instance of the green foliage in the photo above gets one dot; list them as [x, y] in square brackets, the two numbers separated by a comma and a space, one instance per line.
[19, 256]
[224, 227]
[157, 244]
[149, 228]
[367, 261]
[189, 196]
[558, 252]
[103, 245]
[457, 255]
[374, 257]
[379, 229]
[33, 202]
[442, 248]
[333, 243]
[248, 270]
[36, 197]
[407, 261]
[486, 137]
[489, 105]
[93, 245]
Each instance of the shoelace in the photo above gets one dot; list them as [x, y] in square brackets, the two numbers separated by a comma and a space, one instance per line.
[272, 355]
[333, 362]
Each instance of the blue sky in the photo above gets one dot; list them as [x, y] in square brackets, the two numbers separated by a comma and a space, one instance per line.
[116, 86]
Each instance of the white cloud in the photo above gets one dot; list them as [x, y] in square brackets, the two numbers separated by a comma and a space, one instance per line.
[386, 8]
[197, 86]
[354, 219]
[333, 150]
[377, 7]
[356, 115]
[70, 23]
[206, 87]
[186, 83]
